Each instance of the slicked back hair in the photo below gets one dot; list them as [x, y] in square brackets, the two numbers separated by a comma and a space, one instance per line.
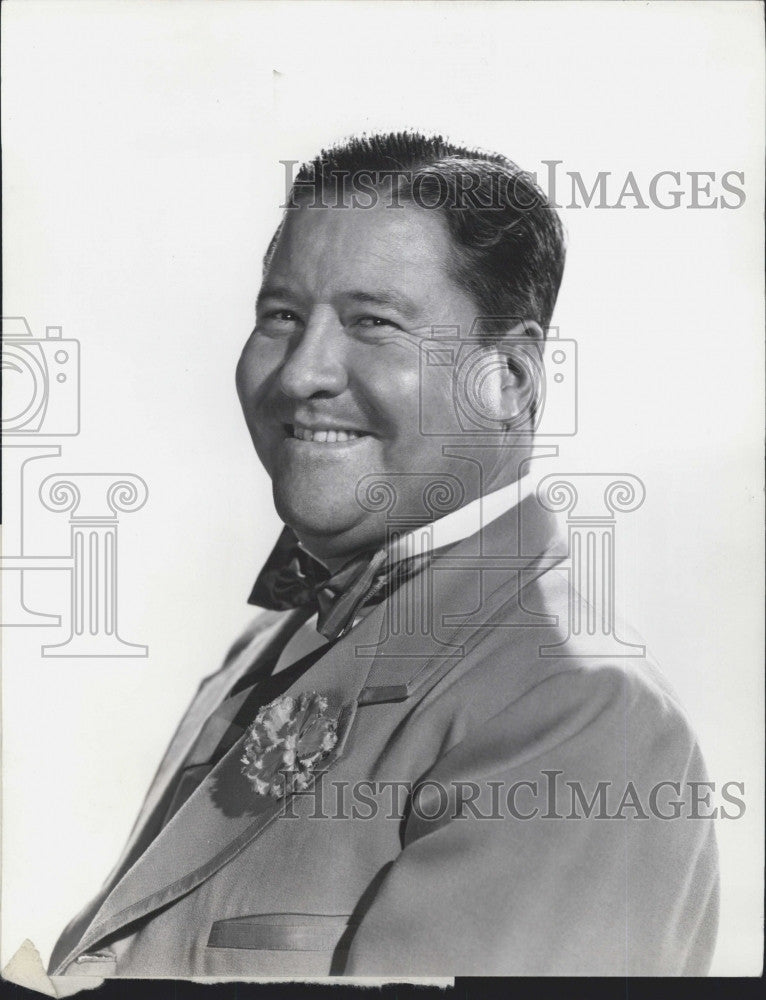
[508, 242]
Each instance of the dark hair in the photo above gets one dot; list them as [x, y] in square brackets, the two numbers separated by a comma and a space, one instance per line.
[508, 242]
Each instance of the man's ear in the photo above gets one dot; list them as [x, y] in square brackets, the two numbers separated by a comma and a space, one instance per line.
[522, 381]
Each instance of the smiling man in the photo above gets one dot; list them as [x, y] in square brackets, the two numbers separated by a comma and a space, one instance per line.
[413, 762]
[330, 380]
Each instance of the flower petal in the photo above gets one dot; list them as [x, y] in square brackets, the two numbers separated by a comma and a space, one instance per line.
[287, 738]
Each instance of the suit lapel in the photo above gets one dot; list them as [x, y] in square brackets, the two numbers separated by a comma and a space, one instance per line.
[211, 693]
[253, 647]
[223, 814]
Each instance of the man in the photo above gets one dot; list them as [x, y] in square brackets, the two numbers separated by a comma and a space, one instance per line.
[369, 784]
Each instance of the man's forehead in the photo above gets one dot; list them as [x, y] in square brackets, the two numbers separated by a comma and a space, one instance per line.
[345, 245]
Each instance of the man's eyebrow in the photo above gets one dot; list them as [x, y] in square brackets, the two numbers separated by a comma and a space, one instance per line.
[275, 292]
[385, 298]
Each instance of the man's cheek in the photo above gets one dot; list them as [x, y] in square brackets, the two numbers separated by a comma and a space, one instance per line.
[258, 363]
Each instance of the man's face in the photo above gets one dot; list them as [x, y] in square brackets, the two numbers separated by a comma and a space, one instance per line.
[329, 379]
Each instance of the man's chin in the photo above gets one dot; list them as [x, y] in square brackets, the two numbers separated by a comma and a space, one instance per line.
[314, 519]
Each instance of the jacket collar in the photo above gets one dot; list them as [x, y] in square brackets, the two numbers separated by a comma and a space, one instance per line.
[435, 618]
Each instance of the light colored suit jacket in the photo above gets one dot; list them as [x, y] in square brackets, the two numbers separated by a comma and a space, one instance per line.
[446, 687]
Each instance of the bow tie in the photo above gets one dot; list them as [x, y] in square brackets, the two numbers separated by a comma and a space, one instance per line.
[291, 578]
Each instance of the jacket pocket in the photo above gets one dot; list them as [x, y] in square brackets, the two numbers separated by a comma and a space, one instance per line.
[280, 932]
[97, 963]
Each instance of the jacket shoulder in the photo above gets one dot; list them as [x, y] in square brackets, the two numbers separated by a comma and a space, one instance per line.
[527, 692]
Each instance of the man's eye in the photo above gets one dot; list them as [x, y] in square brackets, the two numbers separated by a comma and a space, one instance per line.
[279, 320]
[371, 322]
[284, 315]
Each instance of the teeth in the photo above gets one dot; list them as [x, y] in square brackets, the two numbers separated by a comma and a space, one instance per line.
[323, 437]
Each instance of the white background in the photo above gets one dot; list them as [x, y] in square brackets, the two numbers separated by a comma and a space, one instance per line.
[141, 182]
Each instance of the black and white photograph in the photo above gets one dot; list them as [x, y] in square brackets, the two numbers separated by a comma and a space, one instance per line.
[382, 565]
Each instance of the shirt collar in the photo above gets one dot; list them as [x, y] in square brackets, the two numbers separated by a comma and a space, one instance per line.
[461, 523]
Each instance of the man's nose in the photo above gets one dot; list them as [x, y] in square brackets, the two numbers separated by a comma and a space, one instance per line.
[316, 364]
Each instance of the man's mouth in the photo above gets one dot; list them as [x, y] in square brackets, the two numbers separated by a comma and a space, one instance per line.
[325, 435]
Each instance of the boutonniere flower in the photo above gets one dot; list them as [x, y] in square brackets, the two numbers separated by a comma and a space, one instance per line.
[286, 741]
